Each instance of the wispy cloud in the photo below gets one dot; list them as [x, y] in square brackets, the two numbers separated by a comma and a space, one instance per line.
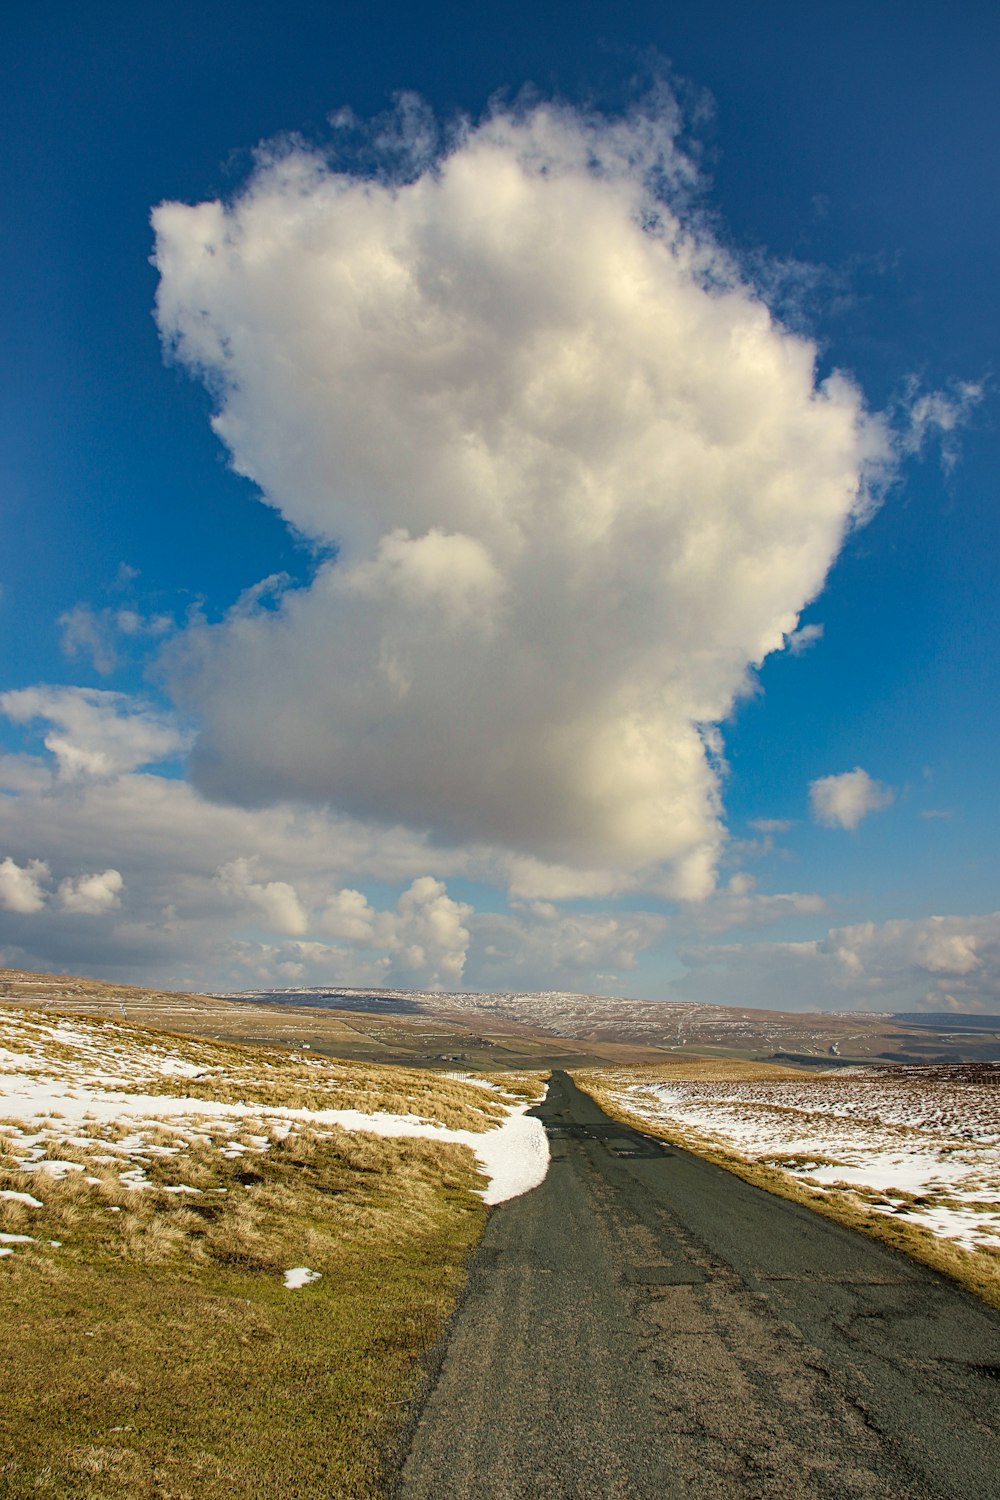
[939, 416]
[799, 641]
[99, 635]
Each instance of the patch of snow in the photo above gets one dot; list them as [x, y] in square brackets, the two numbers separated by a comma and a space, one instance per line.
[515, 1157]
[10, 1061]
[300, 1276]
[476, 1083]
[135, 1179]
[25, 1198]
[919, 1172]
[513, 1154]
[176, 1067]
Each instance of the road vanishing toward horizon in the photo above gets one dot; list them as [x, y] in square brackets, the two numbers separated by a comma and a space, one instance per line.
[646, 1326]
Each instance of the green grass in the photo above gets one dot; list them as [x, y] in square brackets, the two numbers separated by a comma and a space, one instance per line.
[157, 1353]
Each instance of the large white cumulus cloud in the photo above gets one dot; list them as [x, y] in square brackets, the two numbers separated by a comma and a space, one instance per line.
[578, 477]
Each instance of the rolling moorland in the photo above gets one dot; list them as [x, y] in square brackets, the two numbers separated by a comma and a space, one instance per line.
[516, 1030]
[599, 1023]
[233, 1216]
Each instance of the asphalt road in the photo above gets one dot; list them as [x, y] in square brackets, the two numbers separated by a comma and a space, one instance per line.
[646, 1326]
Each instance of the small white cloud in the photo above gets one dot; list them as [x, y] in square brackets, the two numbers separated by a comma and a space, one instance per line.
[276, 901]
[92, 895]
[21, 886]
[348, 916]
[130, 622]
[943, 950]
[772, 825]
[426, 937]
[842, 801]
[800, 640]
[428, 934]
[95, 734]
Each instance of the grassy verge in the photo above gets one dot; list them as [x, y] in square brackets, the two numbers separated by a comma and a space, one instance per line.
[976, 1271]
[155, 1352]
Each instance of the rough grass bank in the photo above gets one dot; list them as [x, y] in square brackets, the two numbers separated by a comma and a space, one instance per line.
[151, 1346]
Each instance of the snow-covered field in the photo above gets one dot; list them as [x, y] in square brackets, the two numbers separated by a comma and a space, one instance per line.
[82, 1097]
[919, 1142]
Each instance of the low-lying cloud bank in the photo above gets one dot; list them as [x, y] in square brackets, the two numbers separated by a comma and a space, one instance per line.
[580, 482]
[935, 963]
[137, 876]
[194, 893]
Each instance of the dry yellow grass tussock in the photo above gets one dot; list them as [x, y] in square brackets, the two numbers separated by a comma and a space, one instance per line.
[155, 1351]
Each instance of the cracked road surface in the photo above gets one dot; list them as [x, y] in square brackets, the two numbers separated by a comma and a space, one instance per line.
[646, 1326]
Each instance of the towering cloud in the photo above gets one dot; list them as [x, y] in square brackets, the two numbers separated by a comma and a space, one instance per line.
[578, 478]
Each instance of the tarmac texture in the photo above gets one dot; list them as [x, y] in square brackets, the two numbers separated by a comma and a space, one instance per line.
[646, 1326]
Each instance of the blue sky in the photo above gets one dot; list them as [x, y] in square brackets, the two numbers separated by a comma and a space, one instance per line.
[615, 418]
